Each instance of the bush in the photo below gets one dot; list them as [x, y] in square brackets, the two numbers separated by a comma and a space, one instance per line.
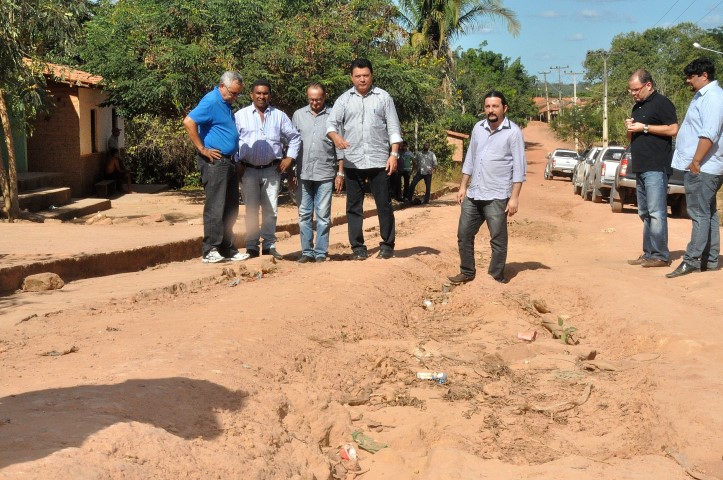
[159, 151]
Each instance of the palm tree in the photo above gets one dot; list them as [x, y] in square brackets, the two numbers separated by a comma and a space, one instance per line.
[434, 24]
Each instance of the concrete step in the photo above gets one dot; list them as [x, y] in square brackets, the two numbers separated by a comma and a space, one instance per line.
[78, 207]
[43, 198]
[36, 180]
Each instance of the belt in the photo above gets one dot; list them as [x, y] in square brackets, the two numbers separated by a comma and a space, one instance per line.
[261, 167]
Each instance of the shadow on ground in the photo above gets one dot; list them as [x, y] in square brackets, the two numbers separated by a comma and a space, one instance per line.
[36, 424]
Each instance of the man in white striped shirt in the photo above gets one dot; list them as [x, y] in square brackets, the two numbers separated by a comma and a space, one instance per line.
[264, 132]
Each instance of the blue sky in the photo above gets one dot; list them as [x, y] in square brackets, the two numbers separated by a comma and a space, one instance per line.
[560, 32]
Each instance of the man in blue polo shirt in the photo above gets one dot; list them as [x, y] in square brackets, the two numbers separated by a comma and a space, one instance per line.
[494, 168]
[212, 129]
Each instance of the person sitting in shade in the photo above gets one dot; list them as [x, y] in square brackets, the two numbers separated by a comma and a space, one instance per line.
[115, 170]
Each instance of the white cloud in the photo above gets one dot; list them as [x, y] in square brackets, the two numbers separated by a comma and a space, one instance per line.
[549, 14]
[590, 13]
[576, 37]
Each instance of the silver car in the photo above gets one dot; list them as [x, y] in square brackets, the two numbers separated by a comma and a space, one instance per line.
[560, 163]
[582, 168]
[602, 173]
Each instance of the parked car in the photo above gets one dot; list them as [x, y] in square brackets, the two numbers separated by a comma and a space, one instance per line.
[602, 173]
[582, 168]
[623, 189]
[560, 163]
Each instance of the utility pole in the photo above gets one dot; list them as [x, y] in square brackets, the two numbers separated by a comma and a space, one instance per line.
[574, 99]
[559, 84]
[574, 85]
[547, 97]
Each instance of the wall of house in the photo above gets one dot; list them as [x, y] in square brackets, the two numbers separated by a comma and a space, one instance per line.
[61, 141]
[53, 145]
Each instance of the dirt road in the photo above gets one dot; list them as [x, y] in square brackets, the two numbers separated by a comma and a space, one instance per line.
[265, 378]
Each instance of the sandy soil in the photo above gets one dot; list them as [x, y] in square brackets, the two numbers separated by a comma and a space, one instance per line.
[268, 376]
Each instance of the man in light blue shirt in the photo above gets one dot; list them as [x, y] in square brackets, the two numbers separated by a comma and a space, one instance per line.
[699, 151]
[264, 132]
[492, 175]
[318, 171]
[365, 126]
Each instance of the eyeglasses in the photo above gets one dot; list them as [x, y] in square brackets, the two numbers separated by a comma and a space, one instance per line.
[233, 94]
[636, 90]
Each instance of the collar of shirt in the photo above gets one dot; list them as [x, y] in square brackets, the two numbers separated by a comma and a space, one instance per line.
[505, 124]
[373, 90]
[320, 112]
[706, 88]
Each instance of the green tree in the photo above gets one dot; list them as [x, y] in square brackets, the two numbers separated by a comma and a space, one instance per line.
[662, 51]
[479, 71]
[434, 24]
[29, 31]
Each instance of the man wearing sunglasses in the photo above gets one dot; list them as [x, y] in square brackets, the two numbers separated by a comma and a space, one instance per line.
[211, 128]
[650, 129]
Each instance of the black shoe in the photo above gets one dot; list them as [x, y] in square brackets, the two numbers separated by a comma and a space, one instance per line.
[321, 259]
[683, 269]
[360, 255]
[272, 251]
[385, 254]
[461, 278]
[502, 280]
[252, 253]
[305, 259]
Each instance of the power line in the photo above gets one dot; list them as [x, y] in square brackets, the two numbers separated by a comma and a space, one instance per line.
[671, 7]
[708, 12]
[681, 13]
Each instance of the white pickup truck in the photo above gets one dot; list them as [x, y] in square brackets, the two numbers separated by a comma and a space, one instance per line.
[560, 163]
[602, 174]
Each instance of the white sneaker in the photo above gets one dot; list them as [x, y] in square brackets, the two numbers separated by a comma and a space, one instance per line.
[239, 257]
[213, 257]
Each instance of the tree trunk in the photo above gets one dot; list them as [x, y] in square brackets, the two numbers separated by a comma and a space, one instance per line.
[9, 179]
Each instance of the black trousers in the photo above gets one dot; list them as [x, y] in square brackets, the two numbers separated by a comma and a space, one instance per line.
[379, 185]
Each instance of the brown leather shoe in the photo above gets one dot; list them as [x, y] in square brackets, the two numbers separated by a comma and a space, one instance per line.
[654, 262]
[461, 278]
[637, 261]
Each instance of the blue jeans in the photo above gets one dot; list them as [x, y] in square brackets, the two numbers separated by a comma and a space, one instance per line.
[220, 209]
[379, 185]
[315, 197]
[474, 214]
[700, 194]
[652, 192]
[261, 189]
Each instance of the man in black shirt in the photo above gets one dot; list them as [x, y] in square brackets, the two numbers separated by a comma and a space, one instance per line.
[651, 128]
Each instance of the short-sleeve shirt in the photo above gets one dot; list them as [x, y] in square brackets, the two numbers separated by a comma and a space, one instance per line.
[317, 158]
[653, 153]
[216, 126]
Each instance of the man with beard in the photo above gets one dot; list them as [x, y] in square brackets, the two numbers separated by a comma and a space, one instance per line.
[492, 176]
[264, 132]
[699, 151]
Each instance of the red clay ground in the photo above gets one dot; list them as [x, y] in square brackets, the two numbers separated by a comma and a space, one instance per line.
[177, 374]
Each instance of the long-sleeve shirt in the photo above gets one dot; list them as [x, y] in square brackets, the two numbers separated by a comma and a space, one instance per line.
[317, 158]
[704, 118]
[495, 160]
[260, 143]
[369, 124]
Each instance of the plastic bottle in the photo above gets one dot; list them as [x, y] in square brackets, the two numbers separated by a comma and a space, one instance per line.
[439, 377]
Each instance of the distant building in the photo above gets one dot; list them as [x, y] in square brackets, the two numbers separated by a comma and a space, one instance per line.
[541, 104]
[457, 139]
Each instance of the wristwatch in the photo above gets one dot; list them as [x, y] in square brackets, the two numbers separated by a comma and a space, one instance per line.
[340, 174]
[645, 128]
[394, 154]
